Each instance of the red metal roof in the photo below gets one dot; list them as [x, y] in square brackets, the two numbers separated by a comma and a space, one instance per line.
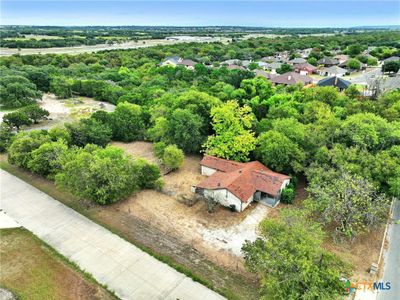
[241, 179]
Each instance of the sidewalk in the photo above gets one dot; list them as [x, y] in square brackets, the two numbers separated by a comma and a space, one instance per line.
[125, 269]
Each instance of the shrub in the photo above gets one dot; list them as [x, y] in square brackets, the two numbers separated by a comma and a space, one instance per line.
[20, 150]
[45, 160]
[5, 136]
[101, 175]
[59, 133]
[288, 194]
[16, 119]
[35, 112]
[89, 131]
[159, 149]
[147, 174]
[173, 157]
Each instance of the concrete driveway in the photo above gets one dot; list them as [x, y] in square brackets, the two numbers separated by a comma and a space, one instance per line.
[391, 271]
[125, 269]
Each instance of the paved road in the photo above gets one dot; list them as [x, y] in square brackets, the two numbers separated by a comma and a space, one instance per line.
[125, 269]
[366, 77]
[391, 271]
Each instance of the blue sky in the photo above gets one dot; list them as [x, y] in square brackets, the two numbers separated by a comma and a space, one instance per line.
[317, 13]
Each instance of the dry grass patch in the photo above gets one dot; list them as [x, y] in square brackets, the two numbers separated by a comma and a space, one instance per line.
[32, 270]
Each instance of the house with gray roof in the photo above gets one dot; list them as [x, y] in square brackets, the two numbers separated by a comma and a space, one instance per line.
[297, 60]
[335, 81]
[328, 61]
[332, 71]
[171, 61]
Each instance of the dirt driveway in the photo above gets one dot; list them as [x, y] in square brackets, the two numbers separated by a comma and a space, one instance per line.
[218, 235]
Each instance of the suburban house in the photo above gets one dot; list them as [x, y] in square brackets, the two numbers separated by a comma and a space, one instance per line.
[273, 66]
[270, 59]
[188, 63]
[231, 62]
[171, 61]
[236, 185]
[264, 74]
[342, 58]
[290, 78]
[235, 67]
[335, 81]
[305, 53]
[305, 69]
[392, 58]
[332, 71]
[328, 61]
[297, 60]
[262, 64]
[174, 61]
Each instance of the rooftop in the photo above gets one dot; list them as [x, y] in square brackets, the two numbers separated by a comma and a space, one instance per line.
[241, 179]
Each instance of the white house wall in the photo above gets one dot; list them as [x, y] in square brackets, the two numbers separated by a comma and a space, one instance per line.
[207, 171]
[226, 198]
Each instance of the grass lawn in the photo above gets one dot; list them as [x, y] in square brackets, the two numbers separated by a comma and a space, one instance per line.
[32, 270]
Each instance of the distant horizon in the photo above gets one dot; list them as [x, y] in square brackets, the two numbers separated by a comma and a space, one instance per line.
[262, 14]
[210, 26]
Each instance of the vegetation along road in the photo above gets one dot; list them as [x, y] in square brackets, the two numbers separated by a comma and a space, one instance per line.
[128, 271]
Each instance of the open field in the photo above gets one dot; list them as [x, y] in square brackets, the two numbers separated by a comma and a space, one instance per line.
[32, 270]
[66, 110]
[101, 47]
[37, 37]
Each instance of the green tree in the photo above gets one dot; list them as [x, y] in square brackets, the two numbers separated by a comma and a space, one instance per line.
[391, 67]
[233, 138]
[20, 150]
[127, 123]
[185, 129]
[147, 174]
[354, 50]
[17, 91]
[46, 160]
[354, 64]
[372, 61]
[290, 259]
[279, 153]
[103, 175]
[368, 131]
[89, 131]
[5, 136]
[348, 203]
[288, 194]
[284, 68]
[61, 87]
[35, 112]
[172, 157]
[16, 119]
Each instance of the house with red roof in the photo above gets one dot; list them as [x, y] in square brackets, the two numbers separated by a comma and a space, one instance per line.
[235, 184]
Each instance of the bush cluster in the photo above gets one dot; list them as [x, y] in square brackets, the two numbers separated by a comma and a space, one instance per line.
[103, 175]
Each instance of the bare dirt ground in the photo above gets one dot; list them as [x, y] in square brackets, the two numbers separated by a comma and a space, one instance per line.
[219, 235]
[66, 110]
[361, 253]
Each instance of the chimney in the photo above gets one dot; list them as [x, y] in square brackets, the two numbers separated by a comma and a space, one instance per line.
[289, 77]
[219, 184]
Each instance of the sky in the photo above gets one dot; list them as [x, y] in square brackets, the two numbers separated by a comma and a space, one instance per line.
[294, 13]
